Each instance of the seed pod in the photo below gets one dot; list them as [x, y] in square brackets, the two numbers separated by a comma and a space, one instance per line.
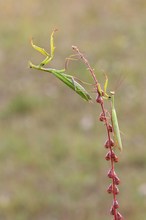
[117, 180]
[111, 174]
[102, 117]
[108, 156]
[119, 216]
[110, 189]
[116, 190]
[109, 143]
[99, 99]
[110, 128]
[116, 204]
[114, 157]
[112, 211]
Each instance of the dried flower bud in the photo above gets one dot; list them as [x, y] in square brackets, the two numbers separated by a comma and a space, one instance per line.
[116, 204]
[99, 99]
[119, 216]
[109, 143]
[110, 188]
[108, 156]
[112, 143]
[117, 180]
[114, 157]
[111, 174]
[116, 190]
[110, 128]
[102, 117]
[112, 211]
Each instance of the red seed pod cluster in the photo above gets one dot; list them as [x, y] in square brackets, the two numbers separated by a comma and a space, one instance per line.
[116, 204]
[109, 143]
[102, 117]
[112, 157]
[113, 211]
[112, 189]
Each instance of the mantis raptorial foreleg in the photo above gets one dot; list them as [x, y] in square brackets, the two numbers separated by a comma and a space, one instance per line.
[60, 74]
[50, 56]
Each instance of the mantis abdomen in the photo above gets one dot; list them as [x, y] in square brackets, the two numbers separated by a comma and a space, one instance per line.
[116, 130]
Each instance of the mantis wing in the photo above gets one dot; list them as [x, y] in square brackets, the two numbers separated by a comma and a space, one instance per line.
[117, 136]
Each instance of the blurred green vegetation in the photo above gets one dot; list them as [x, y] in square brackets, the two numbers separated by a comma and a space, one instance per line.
[51, 144]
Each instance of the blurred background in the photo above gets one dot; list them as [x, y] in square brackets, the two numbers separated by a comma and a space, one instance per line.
[51, 143]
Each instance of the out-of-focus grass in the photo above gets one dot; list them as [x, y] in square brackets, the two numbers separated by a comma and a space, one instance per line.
[51, 143]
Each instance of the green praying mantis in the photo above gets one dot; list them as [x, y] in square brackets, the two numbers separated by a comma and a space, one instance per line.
[71, 82]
